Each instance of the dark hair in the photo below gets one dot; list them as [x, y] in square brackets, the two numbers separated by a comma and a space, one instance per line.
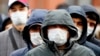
[91, 16]
[74, 15]
[62, 6]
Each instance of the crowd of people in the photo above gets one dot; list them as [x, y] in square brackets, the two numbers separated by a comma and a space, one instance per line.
[68, 30]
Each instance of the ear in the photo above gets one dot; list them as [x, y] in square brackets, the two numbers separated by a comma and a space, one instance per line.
[29, 12]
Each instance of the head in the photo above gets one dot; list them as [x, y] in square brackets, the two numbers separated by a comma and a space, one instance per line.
[92, 19]
[18, 12]
[79, 17]
[62, 6]
[7, 24]
[78, 23]
[31, 33]
[58, 28]
[34, 32]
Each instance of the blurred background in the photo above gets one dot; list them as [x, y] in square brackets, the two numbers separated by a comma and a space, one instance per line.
[49, 4]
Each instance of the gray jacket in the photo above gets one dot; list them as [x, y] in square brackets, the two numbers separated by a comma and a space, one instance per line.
[60, 17]
[76, 50]
[6, 46]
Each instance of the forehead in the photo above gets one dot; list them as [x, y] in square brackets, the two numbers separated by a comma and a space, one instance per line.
[34, 27]
[57, 26]
[77, 19]
[16, 4]
[90, 20]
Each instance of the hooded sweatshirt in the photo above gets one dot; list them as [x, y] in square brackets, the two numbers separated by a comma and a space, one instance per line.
[37, 17]
[77, 11]
[59, 17]
[90, 9]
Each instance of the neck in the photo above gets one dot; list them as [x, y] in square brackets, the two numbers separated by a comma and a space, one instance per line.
[62, 47]
[19, 27]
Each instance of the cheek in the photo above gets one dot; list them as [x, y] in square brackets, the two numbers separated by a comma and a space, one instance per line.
[68, 35]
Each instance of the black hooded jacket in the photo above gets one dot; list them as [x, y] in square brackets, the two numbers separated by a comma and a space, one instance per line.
[91, 10]
[77, 11]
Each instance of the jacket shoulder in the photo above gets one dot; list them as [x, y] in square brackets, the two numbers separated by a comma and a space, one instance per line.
[4, 34]
[19, 52]
[41, 50]
[80, 50]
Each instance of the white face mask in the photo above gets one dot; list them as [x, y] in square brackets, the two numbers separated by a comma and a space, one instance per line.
[58, 35]
[89, 31]
[19, 18]
[79, 33]
[36, 39]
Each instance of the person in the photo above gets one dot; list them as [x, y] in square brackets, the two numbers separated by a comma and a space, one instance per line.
[58, 30]
[79, 17]
[97, 31]
[92, 21]
[6, 24]
[2, 16]
[11, 39]
[62, 6]
[31, 32]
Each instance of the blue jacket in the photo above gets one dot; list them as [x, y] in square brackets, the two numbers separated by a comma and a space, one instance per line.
[37, 16]
[20, 52]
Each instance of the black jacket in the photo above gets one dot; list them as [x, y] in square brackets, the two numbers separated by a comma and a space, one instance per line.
[79, 12]
[88, 10]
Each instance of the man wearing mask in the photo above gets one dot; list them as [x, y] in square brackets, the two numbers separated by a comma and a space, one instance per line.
[31, 32]
[92, 21]
[79, 17]
[11, 39]
[58, 30]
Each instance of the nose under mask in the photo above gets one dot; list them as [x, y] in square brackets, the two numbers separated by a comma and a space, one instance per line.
[19, 18]
[36, 39]
[57, 35]
[89, 31]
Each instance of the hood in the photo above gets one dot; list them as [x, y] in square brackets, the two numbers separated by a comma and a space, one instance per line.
[60, 17]
[77, 11]
[4, 23]
[88, 10]
[36, 17]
